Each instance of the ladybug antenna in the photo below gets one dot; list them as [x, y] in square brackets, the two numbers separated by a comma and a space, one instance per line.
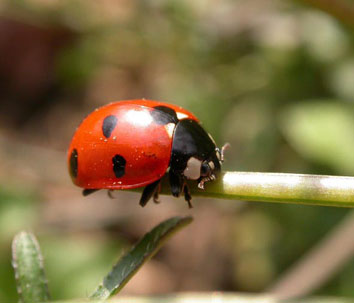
[222, 152]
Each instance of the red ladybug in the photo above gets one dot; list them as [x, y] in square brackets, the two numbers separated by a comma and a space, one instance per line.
[130, 144]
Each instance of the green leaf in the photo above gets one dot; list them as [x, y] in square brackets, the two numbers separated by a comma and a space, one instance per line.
[27, 261]
[145, 249]
[322, 131]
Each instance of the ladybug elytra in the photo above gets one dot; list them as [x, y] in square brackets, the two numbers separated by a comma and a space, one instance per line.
[133, 143]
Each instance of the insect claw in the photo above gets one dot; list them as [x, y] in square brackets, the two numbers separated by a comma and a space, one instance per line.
[201, 184]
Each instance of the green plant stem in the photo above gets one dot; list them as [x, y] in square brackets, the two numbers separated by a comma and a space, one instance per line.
[278, 187]
[220, 297]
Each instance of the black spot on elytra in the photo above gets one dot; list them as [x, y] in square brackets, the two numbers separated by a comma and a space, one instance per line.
[73, 163]
[119, 165]
[109, 123]
[163, 115]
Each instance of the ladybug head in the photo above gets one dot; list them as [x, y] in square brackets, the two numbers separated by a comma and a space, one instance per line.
[211, 167]
[195, 155]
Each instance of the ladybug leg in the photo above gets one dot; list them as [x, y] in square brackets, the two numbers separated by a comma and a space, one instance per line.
[156, 194]
[110, 193]
[187, 195]
[88, 191]
[156, 198]
[149, 192]
[175, 183]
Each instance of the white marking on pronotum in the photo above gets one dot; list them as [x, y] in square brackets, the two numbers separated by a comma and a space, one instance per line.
[211, 165]
[181, 116]
[170, 127]
[218, 155]
[212, 139]
[192, 171]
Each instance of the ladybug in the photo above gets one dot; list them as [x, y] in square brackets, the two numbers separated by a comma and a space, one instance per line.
[133, 143]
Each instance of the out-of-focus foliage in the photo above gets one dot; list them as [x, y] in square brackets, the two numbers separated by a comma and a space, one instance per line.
[17, 211]
[27, 260]
[322, 131]
[133, 260]
[273, 78]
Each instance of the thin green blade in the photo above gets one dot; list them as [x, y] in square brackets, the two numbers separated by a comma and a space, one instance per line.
[145, 249]
[27, 260]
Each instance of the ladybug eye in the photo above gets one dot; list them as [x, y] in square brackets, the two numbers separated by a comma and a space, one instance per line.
[205, 169]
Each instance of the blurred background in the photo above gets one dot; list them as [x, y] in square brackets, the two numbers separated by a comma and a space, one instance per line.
[273, 78]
